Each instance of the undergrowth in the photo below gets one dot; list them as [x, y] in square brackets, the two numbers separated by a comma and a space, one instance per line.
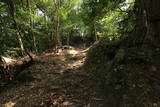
[121, 73]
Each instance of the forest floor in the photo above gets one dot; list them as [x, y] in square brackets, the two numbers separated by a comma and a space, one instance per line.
[54, 81]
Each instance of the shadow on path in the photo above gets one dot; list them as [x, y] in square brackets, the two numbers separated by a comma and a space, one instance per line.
[59, 81]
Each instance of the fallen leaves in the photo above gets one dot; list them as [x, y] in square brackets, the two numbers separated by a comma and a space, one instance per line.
[59, 82]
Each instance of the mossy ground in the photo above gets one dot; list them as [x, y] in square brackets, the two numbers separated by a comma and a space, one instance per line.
[125, 75]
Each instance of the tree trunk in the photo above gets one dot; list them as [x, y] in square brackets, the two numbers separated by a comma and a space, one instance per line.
[32, 27]
[95, 32]
[13, 15]
[152, 8]
[68, 39]
[57, 35]
[147, 30]
[141, 27]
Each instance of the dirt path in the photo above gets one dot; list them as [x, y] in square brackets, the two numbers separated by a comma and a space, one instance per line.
[54, 81]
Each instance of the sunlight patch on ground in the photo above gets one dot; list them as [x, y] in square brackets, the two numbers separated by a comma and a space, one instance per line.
[61, 58]
[76, 63]
[73, 52]
[67, 51]
[7, 60]
[9, 104]
[49, 54]
[67, 103]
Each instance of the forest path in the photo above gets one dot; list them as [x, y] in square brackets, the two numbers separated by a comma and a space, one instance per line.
[54, 81]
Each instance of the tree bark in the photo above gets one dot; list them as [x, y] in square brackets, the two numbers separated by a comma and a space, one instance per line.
[68, 39]
[57, 35]
[13, 15]
[152, 8]
[147, 30]
[32, 27]
[95, 32]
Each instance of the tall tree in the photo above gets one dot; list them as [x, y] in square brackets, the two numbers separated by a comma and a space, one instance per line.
[12, 10]
[57, 4]
[147, 29]
[31, 22]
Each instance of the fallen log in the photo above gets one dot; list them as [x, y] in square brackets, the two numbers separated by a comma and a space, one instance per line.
[9, 67]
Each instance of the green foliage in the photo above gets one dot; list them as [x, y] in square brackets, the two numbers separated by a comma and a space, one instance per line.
[37, 20]
[92, 10]
[113, 19]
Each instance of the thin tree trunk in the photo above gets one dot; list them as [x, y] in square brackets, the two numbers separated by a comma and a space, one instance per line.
[58, 32]
[1, 28]
[95, 34]
[32, 27]
[68, 39]
[93, 30]
[13, 14]
[57, 35]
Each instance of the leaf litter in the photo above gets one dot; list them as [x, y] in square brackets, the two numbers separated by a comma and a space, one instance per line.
[59, 81]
